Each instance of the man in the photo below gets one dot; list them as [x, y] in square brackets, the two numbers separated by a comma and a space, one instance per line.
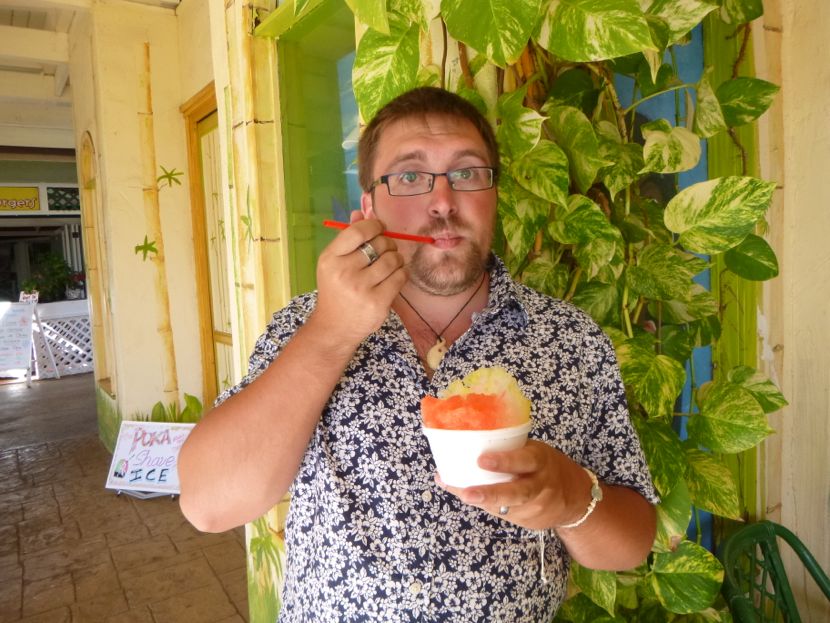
[330, 407]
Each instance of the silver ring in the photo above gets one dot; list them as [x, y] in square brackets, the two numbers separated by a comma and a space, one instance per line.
[370, 253]
[503, 510]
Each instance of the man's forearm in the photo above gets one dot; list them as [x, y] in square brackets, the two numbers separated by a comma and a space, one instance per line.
[242, 458]
[618, 535]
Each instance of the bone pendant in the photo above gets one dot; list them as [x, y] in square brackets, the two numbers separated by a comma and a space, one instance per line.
[436, 353]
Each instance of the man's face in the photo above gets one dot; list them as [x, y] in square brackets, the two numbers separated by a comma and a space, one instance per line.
[461, 222]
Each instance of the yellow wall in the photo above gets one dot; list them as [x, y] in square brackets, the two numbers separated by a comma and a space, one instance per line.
[795, 339]
[105, 66]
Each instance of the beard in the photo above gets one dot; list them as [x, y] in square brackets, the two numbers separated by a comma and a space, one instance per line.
[452, 271]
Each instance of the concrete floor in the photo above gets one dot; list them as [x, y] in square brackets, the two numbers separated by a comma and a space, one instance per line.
[71, 550]
[49, 410]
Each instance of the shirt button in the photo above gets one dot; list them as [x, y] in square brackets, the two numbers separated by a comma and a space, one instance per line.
[415, 588]
[426, 496]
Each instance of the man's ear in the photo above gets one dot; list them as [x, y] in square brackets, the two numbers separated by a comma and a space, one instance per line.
[367, 206]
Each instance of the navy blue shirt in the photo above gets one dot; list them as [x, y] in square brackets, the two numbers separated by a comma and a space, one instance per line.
[371, 537]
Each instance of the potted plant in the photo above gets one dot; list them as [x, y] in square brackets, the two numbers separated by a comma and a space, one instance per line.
[50, 276]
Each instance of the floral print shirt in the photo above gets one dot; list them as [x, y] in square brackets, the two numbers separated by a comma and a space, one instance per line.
[371, 537]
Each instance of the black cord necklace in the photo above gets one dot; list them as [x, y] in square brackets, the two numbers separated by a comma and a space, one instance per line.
[439, 349]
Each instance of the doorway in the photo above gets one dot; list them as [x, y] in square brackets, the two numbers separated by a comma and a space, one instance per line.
[210, 243]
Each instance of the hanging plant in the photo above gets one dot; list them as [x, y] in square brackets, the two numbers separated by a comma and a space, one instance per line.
[579, 219]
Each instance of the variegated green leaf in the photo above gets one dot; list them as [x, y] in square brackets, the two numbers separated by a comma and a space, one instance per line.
[673, 516]
[599, 586]
[730, 419]
[579, 220]
[653, 82]
[598, 244]
[687, 579]
[372, 13]
[575, 87]
[522, 215]
[474, 97]
[711, 484]
[580, 609]
[705, 331]
[610, 272]
[681, 16]
[715, 215]
[753, 259]
[653, 58]
[664, 453]
[574, 133]
[429, 76]
[650, 211]
[520, 126]
[628, 161]
[745, 99]
[498, 28]
[593, 30]
[676, 342]
[761, 388]
[546, 277]
[741, 11]
[627, 591]
[544, 172]
[702, 304]
[607, 132]
[600, 300]
[669, 149]
[421, 12]
[656, 380]
[597, 253]
[385, 65]
[708, 115]
[300, 6]
[663, 273]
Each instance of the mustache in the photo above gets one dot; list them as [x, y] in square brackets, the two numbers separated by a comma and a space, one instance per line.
[443, 223]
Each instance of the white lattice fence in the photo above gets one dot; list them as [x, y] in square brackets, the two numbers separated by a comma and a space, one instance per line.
[69, 334]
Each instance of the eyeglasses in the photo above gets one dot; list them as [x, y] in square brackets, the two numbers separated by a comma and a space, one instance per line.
[408, 183]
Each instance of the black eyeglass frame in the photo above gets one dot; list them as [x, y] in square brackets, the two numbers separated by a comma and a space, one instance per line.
[384, 179]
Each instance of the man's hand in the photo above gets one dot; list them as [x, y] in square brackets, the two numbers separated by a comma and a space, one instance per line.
[547, 491]
[551, 490]
[354, 296]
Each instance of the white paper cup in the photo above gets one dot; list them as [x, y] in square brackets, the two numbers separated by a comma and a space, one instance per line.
[456, 452]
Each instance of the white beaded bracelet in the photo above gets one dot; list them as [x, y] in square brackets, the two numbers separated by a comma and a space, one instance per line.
[596, 496]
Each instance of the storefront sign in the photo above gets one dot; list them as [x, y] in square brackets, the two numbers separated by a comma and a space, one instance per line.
[19, 199]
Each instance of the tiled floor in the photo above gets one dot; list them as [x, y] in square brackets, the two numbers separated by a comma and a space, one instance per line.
[71, 550]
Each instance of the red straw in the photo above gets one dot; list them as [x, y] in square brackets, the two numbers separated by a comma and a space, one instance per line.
[388, 234]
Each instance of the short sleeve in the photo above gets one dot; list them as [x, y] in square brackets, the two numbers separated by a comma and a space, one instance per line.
[269, 345]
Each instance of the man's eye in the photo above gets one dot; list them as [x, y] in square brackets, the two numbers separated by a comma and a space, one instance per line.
[463, 174]
[409, 177]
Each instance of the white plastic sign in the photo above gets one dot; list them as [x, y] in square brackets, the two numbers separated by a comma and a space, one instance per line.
[146, 456]
[15, 335]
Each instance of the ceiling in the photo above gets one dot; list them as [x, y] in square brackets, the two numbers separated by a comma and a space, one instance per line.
[35, 89]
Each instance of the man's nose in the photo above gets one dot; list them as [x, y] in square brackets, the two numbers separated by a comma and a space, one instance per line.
[442, 197]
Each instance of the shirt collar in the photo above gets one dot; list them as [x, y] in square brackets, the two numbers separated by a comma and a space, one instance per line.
[505, 293]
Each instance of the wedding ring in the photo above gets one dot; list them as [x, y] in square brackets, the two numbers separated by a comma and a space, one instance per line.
[370, 253]
[503, 510]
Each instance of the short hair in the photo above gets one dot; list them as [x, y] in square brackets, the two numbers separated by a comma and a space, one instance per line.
[420, 102]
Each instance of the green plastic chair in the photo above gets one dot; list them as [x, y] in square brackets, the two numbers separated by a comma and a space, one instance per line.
[755, 584]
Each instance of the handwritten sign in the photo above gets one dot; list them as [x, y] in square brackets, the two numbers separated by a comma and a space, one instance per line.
[146, 456]
[15, 335]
